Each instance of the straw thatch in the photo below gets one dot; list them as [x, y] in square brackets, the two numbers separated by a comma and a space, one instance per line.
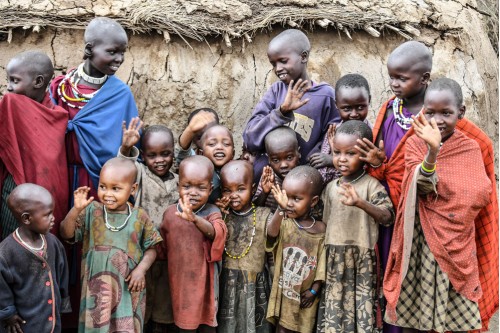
[196, 19]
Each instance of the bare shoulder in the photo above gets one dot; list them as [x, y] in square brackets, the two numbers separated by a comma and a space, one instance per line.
[319, 228]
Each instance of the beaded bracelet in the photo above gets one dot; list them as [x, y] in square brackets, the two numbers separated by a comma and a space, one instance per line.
[428, 170]
[314, 292]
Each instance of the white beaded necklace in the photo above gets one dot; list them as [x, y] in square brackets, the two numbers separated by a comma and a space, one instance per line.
[34, 249]
[112, 228]
[90, 79]
[302, 227]
[352, 181]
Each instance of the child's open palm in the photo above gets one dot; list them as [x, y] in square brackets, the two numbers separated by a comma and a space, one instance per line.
[131, 134]
[330, 134]
[294, 95]
[350, 196]
[280, 196]
[370, 153]
[223, 203]
[187, 209]
[80, 198]
[427, 131]
[267, 179]
[200, 120]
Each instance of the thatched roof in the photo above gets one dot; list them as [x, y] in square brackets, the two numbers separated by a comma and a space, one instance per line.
[196, 19]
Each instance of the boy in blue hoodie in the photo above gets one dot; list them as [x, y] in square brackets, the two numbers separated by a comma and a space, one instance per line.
[305, 106]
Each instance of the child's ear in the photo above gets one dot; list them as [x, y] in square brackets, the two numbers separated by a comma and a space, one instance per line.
[87, 53]
[254, 189]
[26, 218]
[304, 56]
[461, 112]
[426, 77]
[314, 201]
[39, 82]
[134, 189]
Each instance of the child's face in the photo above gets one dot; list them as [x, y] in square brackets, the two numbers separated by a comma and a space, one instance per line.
[108, 53]
[19, 80]
[287, 63]
[115, 188]
[158, 153]
[441, 105]
[238, 187]
[283, 157]
[345, 156]
[352, 103]
[218, 146]
[405, 81]
[300, 197]
[196, 183]
[41, 216]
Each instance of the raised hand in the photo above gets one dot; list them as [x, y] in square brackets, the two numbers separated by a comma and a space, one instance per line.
[131, 133]
[13, 324]
[427, 131]
[80, 198]
[200, 120]
[187, 209]
[294, 95]
[223, 203]
[331, 134]
[280, 196]
[350, 196]
[267, 179]
[370, 153]
[320, 160]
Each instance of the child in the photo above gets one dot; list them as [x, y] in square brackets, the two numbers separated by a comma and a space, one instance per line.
[157, 188]
[355, 205]
[297, 240]
[352, 99]
[94, 128]
[118, 249]
[282, 149]
[194, 235]
[42, 158]
[283, 103]
[244, 287]
[33, 268]
[432, 278]
[218, 146]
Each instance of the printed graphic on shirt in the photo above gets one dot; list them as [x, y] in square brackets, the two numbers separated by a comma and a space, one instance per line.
[302, 125]
[296, 268]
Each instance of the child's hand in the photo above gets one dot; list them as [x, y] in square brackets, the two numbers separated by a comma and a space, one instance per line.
[320, 160]
[136, 280]
[13, 324]
[267, 179]
[370, 153]
[187, 210]
[427, 131]
[200, 120]
[280, 196]
[306, 299]
[351, 197]
[223, 203]
[293, 96]
[131, 134]
[331, 134]
[81, 200]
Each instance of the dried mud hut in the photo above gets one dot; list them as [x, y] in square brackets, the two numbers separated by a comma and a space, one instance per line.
[185, 54]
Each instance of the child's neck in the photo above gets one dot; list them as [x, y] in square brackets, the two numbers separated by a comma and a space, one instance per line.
[32, 238]
[244, 211]
[415, 103]
[353, 177]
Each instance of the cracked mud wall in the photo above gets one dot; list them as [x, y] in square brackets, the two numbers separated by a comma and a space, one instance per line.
[171, 80]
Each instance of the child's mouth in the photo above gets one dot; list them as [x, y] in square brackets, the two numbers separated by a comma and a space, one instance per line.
[282, 76]
[219, 156]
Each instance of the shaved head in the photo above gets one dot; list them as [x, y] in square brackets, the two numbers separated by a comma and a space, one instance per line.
[25, 197]
[280, 137]
[122, 166]
[415, 54]
[237, 168]
[309, 176]
[291, 37]
[36, 63]
[197, 164]
[100, 26]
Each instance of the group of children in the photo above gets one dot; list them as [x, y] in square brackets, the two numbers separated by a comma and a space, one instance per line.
[294, 236]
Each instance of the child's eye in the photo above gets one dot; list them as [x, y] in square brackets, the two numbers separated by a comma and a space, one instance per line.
[274, 160]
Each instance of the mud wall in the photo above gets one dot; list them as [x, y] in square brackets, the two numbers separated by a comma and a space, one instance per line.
[170, 80]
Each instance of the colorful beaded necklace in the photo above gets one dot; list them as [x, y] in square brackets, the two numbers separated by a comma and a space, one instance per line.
[72, 79]
[397, 109]
[251, 238]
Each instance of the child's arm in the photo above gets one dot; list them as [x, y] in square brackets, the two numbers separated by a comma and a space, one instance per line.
[273, 228]
[307, 297]
[68, 225]
[197, 123]
[13, 324]
[131, 135]
[381, 215]
[429, 132]
[266, 182]
[136, 279]
[187, 214]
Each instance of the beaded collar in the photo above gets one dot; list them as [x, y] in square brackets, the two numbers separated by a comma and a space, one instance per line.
[397, 109]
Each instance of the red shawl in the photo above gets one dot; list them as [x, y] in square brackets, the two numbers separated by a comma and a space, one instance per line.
[447, 218]
[486, 222]
[32, 147]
